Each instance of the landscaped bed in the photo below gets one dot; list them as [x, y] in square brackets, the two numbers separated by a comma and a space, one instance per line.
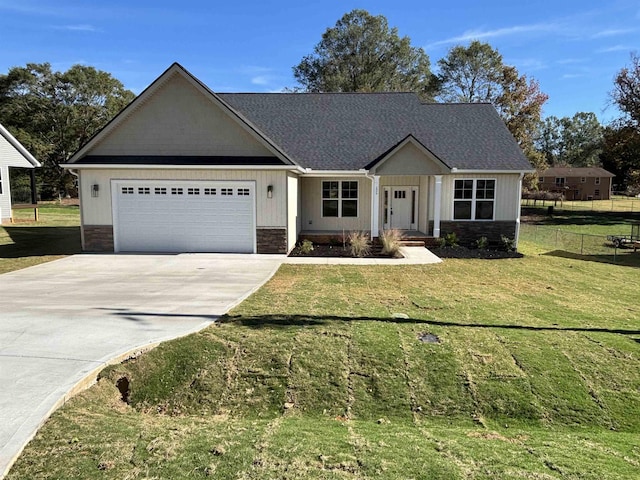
[464, 252]
[338, 251]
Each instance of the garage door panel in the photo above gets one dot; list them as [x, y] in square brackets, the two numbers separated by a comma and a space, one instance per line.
[184, 216]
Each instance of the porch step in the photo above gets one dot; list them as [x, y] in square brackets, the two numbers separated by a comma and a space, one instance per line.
[412, 243]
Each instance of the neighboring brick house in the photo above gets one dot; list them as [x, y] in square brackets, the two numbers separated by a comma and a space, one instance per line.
[590, 183]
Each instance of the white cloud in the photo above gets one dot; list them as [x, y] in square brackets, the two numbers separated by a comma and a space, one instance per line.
[262, 80]
[571, 61]
[615, 48]
[568, 76]
[77, 28]
[471, 35]
[612, 32]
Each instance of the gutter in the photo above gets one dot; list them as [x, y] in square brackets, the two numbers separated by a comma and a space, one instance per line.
[128, 166]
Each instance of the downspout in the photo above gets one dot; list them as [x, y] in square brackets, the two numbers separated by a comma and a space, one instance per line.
[519, 209]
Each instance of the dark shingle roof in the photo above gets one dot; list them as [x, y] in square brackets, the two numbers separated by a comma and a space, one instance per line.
[348, 131]
[576, 172]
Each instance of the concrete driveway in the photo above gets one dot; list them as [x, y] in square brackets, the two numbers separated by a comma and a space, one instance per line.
[61, 321]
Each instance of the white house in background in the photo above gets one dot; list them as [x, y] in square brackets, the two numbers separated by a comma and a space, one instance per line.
[184, 169]
[12, 154]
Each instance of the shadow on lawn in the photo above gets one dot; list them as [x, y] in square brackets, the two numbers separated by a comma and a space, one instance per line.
[38, 241]
[285, 321]
[628, 259]
[568, 217]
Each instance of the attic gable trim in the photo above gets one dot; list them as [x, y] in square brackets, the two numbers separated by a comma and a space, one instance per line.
[373, 166]
[19, 147]
[147, 93]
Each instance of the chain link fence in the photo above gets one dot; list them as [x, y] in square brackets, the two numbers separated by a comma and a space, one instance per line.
[586, 246]
[615, 204]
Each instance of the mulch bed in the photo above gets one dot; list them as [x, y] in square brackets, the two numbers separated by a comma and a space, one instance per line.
[464, 252]
[336, 251]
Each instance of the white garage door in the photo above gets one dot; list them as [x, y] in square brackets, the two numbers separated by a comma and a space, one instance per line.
[183, 216]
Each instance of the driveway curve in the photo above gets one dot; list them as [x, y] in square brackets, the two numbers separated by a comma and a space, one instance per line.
[62, 321]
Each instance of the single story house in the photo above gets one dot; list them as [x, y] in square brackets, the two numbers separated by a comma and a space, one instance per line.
[12, 154]
[184, 169]
[589, 183]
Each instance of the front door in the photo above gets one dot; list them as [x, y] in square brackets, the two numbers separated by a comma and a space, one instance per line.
[401, 207]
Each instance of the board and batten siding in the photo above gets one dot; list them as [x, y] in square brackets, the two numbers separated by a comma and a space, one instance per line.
[178, 119]
[293, 210]
[270, 212]
[507, 203]
[312, 219]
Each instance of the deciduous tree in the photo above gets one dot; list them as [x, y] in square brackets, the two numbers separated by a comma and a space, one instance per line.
[476, 73]
[362, 54]
[54, 113]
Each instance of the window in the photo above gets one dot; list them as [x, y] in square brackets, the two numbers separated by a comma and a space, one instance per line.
[560, 181]
[243, 192]
[340, 199]
[597, 181]
[127, 190]
[160, 190]
[583, 179]
[541, 180]
[226, 191]
[193, 191]
[144, 191]
[596, 192]
[177, 191]
[209, 191]
[474, 199]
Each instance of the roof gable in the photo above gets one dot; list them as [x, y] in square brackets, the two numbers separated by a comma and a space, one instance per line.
[12, 153]
[409, 157]
[178, 116]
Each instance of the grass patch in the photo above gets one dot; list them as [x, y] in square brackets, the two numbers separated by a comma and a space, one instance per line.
[26, 242]
[320, 374]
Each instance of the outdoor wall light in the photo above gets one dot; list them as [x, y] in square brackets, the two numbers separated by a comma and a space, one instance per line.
[270, 191]
[95, 190]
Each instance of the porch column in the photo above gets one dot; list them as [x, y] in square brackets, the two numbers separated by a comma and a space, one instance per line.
[515, 242]
[375, 205]
[437, 205]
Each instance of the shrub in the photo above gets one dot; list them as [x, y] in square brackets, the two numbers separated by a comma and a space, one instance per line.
[508, 243]
[451, 239]
[306, 246]
[359, 244]
[482, 243]
[391, 242]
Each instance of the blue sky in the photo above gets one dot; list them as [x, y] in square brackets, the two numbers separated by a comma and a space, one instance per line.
[573, 48]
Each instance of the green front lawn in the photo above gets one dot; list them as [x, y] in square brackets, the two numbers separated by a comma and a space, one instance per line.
[321, 374]
[27, 242]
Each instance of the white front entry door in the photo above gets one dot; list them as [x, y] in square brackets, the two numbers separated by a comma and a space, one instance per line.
[401, 207]
[183, 216]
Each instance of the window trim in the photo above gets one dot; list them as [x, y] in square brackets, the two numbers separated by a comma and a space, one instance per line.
[561, 184]
[597, 181]
[473, 200]
[339, 199]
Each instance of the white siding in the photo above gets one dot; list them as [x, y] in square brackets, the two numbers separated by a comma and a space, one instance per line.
[9, 157]
[269, 212]
[180, 120]
[293, 213]
[507, 202]
[312, 219]
[410, 160]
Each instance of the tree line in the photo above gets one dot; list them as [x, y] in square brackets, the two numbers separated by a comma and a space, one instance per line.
[55, 113]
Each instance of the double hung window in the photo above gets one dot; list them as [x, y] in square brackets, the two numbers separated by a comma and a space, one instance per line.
[474, 199]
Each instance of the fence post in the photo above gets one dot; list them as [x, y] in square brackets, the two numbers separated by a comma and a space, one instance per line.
[556, 245]
[581, 244]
